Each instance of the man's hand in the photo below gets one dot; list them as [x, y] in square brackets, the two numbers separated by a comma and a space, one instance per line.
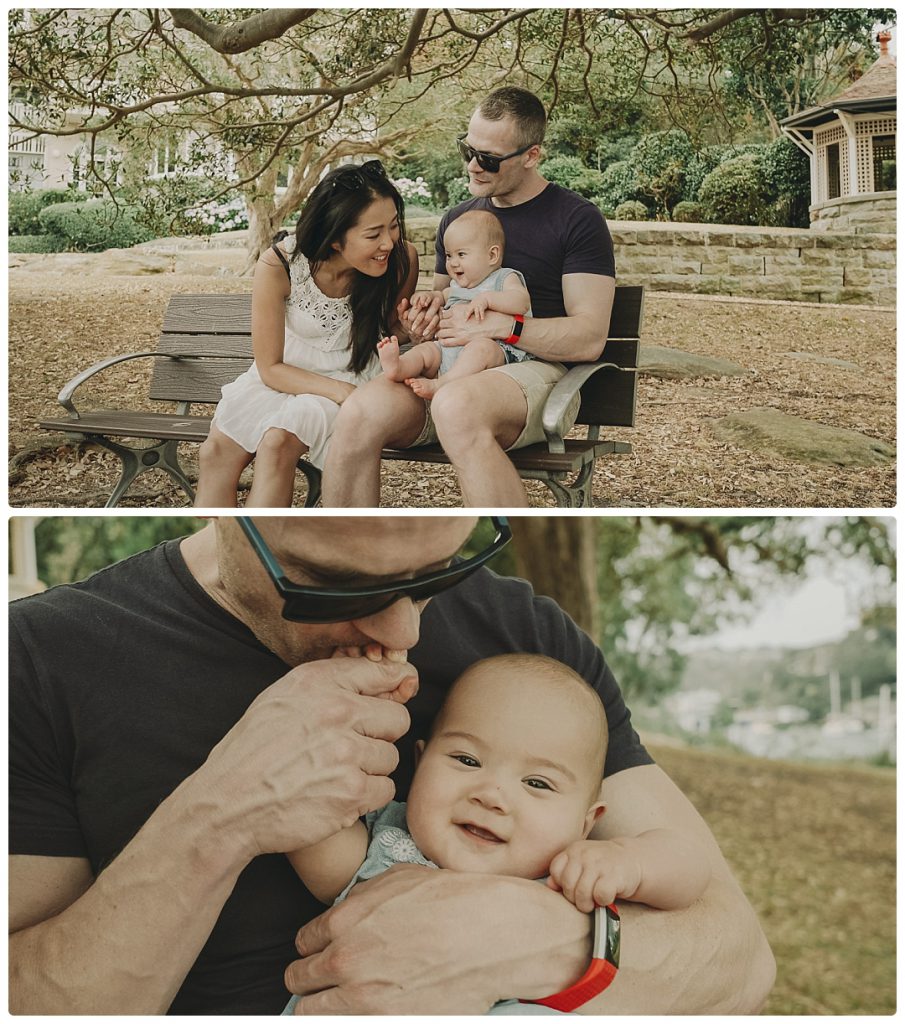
[420, 940]
[592, 873]
[421, 316]
[457, 329]
[310, 755]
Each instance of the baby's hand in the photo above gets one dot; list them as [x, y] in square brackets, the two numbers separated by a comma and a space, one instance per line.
[421, 300]
[592, 873]
[376, 652]
[478, 306]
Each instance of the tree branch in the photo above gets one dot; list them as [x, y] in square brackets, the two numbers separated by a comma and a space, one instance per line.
[241, 35]
[696, 35]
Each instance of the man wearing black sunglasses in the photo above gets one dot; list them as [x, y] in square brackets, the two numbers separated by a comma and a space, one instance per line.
[182, 718]
[560, 243]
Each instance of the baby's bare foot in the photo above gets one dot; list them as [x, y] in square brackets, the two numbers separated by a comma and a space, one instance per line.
[424, 387]
[388, 354]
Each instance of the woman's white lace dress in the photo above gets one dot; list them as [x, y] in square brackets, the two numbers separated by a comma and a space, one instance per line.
[317, 338]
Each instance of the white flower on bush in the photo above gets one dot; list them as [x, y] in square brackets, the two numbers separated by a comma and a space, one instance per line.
[413, 190]
[221, 215]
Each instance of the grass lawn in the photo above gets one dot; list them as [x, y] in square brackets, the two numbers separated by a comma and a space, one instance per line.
[814, 848]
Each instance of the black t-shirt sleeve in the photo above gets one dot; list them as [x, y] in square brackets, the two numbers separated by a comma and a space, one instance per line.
[588, 247]
[43, 817]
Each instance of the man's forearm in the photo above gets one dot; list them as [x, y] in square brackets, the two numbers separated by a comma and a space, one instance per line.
[574, 339]
[710, 958]
[126, 945]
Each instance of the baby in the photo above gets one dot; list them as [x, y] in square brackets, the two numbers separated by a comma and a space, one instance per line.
[509, 783]
[474, 245]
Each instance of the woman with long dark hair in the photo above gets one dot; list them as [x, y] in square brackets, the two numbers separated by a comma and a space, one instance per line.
[321, 301]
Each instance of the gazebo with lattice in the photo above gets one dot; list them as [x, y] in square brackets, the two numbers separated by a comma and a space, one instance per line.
[851, 143]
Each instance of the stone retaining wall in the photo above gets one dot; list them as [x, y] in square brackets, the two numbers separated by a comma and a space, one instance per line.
[722, 259]
[856, 215]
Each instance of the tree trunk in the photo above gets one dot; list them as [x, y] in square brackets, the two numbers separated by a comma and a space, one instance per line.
[558, 555]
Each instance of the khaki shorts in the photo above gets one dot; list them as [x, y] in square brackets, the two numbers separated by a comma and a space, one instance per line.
[536, 379]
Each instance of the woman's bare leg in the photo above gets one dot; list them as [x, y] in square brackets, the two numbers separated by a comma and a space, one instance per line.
[220, 464]
[275, 463]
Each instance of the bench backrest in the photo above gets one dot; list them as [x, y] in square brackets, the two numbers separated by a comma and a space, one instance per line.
[218, 327]
[608, 398]
[215, 326]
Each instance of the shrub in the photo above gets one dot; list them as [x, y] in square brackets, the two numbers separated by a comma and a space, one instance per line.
[570, 172]
[735, 192]
[687, 212]
[36, 243]
[619, 184]
[414, 190]
[220, 215]
[659, 160]
[787, 175]
[25, 207]
[632, 210]
[457, 191]
[95, 225]
[699, 166]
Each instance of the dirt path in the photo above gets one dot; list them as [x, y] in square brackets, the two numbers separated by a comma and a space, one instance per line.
[60, 325]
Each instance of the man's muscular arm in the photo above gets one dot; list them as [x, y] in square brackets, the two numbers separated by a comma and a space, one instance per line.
[579, 336]
[124, 942]
[462, 941]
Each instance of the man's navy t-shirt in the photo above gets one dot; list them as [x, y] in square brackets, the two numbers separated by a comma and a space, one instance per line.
[555, 233]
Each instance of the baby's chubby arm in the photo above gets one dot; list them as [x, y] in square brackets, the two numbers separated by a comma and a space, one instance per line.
[662, 867]
[513, 300]
[327, 867]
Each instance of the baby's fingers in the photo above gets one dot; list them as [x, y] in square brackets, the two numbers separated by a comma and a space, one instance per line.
[583, 892]
[557, 866]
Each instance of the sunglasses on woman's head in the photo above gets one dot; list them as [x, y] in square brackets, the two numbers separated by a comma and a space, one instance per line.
[345, 604]
[354, 178]
[489, 162]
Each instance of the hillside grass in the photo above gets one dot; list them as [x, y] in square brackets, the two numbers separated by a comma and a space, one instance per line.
[814, 848]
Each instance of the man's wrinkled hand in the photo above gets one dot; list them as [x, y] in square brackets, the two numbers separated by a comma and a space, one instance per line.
[402, 943]
[312, 753]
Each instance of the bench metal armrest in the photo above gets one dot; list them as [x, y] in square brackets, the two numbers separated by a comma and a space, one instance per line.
[69, 389]
[557, 405]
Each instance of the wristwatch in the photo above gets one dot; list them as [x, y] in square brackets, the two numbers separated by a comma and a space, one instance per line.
[518, 324]
[604, 964]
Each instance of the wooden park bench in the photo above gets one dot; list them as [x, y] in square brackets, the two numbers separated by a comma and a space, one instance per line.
[206, 343]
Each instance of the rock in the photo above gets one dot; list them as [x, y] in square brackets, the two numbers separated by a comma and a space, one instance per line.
[769, 430]
[128, 263]
[843, 364]
[658, 361]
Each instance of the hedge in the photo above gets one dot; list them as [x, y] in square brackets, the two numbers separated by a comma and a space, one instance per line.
[36, 243]
[95, 225]
[25, 208]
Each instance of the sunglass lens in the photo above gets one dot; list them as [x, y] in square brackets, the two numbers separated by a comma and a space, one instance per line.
[488, 163]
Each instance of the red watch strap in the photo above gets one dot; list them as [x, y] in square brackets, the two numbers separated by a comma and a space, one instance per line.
[604, 965]
[516, 331]
[594, 980]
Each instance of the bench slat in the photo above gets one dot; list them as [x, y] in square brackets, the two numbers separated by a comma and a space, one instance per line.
[121, 423]
[205, 346]
[194, 380]
[208, 314]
